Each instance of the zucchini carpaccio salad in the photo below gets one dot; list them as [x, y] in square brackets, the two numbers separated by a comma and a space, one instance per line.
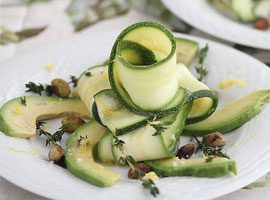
[132, 110]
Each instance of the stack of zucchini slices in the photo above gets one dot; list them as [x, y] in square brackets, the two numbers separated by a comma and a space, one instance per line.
[144, 88]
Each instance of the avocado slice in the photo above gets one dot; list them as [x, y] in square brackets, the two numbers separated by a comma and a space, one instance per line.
[186, 50]
[217, 167]
[80, 156]
[18, 120]
[231, 116]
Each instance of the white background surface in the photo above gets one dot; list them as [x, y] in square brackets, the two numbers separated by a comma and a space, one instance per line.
[52, 15]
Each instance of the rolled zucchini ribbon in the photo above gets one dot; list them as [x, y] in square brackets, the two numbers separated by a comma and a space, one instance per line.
[142, 68]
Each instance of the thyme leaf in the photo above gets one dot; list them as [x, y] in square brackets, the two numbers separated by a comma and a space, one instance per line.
[159, 128]
[88, 74]
[23, 100]
[210, 151]
[129, 160]
[33, 87]
[209, 159]
[51, 138]
[74, 80]
[201, 69]
[149, 184]
[117, 142]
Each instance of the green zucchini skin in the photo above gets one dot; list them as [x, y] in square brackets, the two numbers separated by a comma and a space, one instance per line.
[95, 114]
[199, 94]
[147, 56]
[128, 103]
[108, 115]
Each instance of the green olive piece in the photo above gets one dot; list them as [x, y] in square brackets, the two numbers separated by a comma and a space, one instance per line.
[60, 87]
[72, 123]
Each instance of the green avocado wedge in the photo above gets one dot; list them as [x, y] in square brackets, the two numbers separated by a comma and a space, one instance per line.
[19, 120]
[217, 167]
[186, 50]
[231, 116]
[80, 156]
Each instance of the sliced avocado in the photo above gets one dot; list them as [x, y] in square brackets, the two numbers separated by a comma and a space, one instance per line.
[217, 167]
[18, 120]
[186, 50]
[80, 156]
[231, 116]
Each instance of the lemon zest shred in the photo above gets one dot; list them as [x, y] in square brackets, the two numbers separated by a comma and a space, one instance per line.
[49, 66]
[151, 175]
[17, 150]
[231, 81]
[35, 152]
[17, 109]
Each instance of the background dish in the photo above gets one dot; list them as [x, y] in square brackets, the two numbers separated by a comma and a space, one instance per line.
[204, 17]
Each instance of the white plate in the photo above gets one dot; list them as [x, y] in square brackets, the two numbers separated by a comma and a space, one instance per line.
[204, 17]
[248, 145]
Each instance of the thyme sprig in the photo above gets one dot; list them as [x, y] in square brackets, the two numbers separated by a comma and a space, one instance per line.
[210, 151]
[129, 160]
[159, 128]
[88, 74]
[74, 80]
[201, 69]
[23, 100]
[51, 138]
[82, 138]
[209, 159]
[38, 88]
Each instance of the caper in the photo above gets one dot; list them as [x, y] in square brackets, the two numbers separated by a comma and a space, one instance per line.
[186, 151]
[215, 139]
[143, 169]
[72, 123]
[56, 153]
[60, 87]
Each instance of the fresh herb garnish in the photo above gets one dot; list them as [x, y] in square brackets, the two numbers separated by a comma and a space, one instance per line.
[129, 160]
[74, 80]
[210, 151]
[201, 69]
[38, 88]
[88, 74]
[149, 184]
[209, 159]
[159, 128]
[81, 139]
[118, 143]
[51, 138]
[23, 100]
